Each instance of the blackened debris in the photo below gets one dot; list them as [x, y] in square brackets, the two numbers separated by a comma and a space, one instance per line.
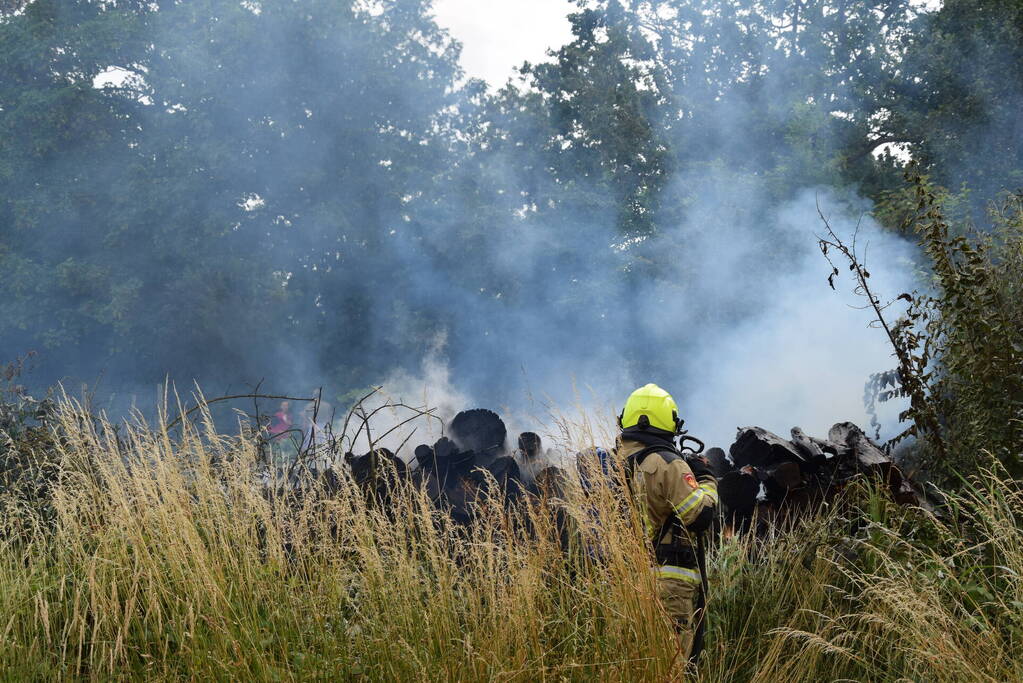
[478, 430]
[770, 479]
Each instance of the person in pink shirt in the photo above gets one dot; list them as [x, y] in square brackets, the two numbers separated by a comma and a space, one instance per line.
[281, 421]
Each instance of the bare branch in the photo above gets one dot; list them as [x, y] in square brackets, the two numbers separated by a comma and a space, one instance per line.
[234, 397]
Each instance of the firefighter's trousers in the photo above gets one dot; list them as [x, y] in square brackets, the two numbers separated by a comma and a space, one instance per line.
[677, 589]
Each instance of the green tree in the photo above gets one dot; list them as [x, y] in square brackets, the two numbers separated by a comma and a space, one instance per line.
[957, 105]
[63, 151]
[230, 198]
[601, 104]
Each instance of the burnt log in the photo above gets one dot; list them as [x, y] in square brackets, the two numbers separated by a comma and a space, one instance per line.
[479, 430]
[806, 446]
[868, 456]
[782, 482]
[455, 472]
[773, 478]
[369, 467]
[830, 448]
[530, 444]
[816, 451]
[424, 457]
[504, 471]
[376, 473]
[760, 448]
[787, 476]
[867, 453]
[738, 491]
[778, 482]
[871, 459]
[718, 462]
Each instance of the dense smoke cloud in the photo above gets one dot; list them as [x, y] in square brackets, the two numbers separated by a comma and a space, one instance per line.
[307, 196]
[802, 359]
[739, 323]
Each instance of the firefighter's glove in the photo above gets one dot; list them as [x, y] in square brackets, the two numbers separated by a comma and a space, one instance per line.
[701, 470]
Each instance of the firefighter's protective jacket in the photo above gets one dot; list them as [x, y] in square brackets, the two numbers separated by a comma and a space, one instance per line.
[666, 490]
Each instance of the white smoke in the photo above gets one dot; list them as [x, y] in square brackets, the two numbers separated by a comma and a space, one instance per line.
[804, 357]
[406, 397]
[745, 327]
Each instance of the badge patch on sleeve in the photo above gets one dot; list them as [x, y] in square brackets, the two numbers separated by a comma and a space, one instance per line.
[690, 479]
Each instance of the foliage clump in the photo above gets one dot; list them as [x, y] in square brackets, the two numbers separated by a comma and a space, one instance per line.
[960, 344]
[28, 458]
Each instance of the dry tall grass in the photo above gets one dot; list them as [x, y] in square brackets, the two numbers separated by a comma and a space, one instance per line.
[167, 559]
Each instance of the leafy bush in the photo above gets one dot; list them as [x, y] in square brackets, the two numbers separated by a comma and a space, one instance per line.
[28, 459]
[961, 343]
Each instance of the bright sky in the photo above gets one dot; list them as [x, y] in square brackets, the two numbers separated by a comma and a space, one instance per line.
[498, 35]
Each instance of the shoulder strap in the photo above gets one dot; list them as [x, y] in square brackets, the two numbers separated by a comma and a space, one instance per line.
[636, 459]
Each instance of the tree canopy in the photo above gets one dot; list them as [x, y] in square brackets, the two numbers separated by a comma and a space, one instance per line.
[230, 191]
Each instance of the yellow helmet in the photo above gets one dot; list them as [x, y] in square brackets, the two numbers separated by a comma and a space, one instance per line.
[650, 406]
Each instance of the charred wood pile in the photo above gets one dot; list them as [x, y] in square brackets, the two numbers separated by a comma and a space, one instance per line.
[763, 480]
[376, 473]
[769, 479]
[461, 468]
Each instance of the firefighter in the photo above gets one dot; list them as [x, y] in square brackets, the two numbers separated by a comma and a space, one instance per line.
[677, 497]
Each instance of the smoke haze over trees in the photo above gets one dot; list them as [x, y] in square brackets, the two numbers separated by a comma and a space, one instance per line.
[309, 192]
